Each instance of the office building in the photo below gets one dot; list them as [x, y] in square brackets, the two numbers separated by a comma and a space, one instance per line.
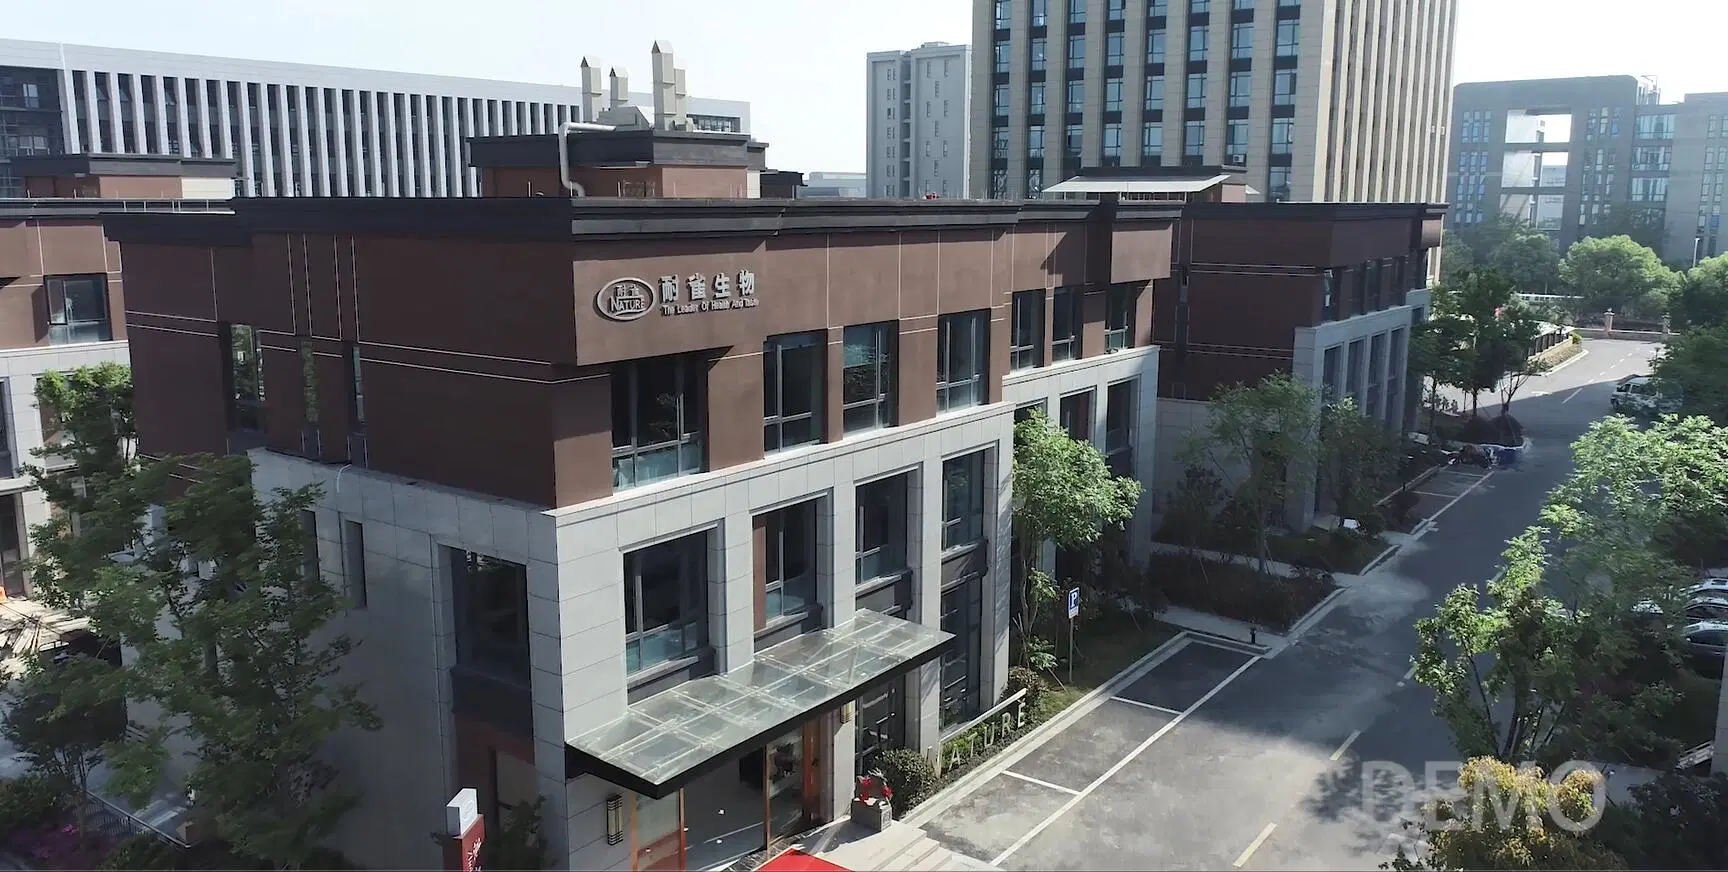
[820, 184]
[917, 130]
[1322, 100]
[292, 129]
[1698, 177]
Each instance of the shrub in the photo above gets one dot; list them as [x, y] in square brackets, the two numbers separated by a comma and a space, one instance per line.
[1020, 677]
[518, 844]
[908, 774]
[28, 801]
[143, 851]
[1577, 340]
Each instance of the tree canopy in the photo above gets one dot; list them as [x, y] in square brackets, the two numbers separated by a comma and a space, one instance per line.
[1703, 297]
[1617, 273]
[1694, 369]
[1511, 818]
[1480, 333]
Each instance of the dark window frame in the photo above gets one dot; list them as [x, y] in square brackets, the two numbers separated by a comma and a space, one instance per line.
[791, 542]
[480, 616]
[1069, 302]
[776, 393]
[70, 323]
[688, 444]
[963, 511]
[962, 389]
[882, 519]
[1026, 330]
[879, 342]
[687, 556]
[1120, 304]
[245, 400]
[1121, 421]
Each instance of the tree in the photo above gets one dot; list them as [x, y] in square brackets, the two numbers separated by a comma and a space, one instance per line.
[1490, 333]
[1066, 495]
[1673, 822]
[1694, 369]
[1703, 297]
[1254, 437]
[1456, 256]
[1530, 260]
[59, 717]
[1617, 273]
[1644, 226]
[1358, 459]
[1512, 818]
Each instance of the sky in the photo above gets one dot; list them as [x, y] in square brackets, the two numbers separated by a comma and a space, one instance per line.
[800, 63]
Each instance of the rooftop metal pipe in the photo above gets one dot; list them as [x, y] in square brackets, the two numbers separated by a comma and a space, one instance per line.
[575, 188]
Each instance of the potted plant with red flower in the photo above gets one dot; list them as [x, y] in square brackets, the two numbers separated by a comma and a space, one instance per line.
[873, 802]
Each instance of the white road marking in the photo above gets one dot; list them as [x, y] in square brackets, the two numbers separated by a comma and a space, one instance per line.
[1146, 705]
[1570, 396]
[1041, 782]
[1254, 845]
[1348, 741]
[1120, 765]
[1410, 673]
[1433, 494]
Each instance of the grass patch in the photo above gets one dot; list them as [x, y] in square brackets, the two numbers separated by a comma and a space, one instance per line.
[1321, 548]
[1238, 591]
[1105, 646]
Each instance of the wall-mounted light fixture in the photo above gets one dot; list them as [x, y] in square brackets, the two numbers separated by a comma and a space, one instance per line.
[614, 819]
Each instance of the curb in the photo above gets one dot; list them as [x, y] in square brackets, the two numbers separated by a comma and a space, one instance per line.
[1384, 556]
[1569, 361]
[1307, 621]
[1036, 739]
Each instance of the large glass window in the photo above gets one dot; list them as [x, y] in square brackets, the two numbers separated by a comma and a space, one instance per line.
[1151, 142]
[1283, 135]
[1065, 324]
[1112, 95]
[1119, 317]
[1075, 413]
[962, 348]
[1112, 148]
[881, 724]
[1241, 89]
[962, 616]
[492, 615]
[1035, 99]
[77, 309]
[789, 585]
[1076, 11]
[881, 529]
[1284, 88]
[1242, 40]
[1236, 141]
[867, 384]
[1076, 96]
[792, 385]
[1076, 51]
[1278, 184]
[1193, 139]
[1197, 43]
[1113, 49]
[1155, 46]
[657, 420]
[963, 500]
[1119, 413]
[1288, 33]
[1026, 342]
[1154, 93]
[665, 602]
[1040, 53]
[245, 379]
[1196, 96]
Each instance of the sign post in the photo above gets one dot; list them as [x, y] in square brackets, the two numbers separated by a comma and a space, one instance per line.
[464, 832]
[1073, 612]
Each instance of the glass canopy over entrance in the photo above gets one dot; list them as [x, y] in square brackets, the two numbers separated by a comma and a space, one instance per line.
[671, 738]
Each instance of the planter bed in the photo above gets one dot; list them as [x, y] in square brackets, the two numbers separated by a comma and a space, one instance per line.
[1238, 591]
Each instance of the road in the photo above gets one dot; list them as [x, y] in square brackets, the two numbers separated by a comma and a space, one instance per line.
[1216, 758]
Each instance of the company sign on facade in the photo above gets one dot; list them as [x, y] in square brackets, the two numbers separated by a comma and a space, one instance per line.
[627, 299]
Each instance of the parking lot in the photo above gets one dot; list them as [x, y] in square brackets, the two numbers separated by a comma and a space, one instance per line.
[1092, 784]
[1445, 488]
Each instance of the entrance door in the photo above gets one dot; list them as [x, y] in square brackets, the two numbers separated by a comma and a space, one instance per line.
[657, 833]
[794, 779]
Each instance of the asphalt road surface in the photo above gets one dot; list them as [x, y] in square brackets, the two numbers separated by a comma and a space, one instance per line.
[1217, 758]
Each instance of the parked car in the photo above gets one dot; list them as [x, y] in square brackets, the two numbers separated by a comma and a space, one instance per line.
[1716, 585]
[1703, 644]
[1638, 395]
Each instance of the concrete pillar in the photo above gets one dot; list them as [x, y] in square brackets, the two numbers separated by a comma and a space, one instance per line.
[92, 120]
[140, 144]
[248, 168]
[374, 132]
[268, 142]
[732, 593]
[182, 125]
[157, 85]
[69, 112]
[924, 553]
[392, 166]
[116, 122]
[344, 108]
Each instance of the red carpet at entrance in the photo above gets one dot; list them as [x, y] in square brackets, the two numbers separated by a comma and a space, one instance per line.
[798, 861]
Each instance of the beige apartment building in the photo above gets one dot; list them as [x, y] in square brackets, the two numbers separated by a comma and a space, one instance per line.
[1321, 100]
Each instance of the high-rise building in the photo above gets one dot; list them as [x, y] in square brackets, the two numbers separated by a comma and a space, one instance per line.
[1594, 156]
[821, 184]
[311, 131]
[917, 129]
[1330, 100]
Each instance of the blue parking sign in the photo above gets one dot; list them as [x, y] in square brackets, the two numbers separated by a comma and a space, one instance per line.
[1073, 603]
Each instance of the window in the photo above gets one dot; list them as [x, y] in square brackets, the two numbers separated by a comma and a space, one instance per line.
[1065, 324]
[1240, 89]
[245, 379]
[1242, 41]
[1113, 49]
[1040, 13]
[1076, 96]
[6, 469]
[792, 389]
[1035, 142]
[1197, 43]
[1329, 295]
[1236, 142]
[1075, 412]
[657, 407]
[789, 580]
[1296, 3]
[356, 392]
[961, 353]
[309, 398]
[1329, 372]
[1119, 409]
[1155, 8]
[1196, 7]
[77, 309]
[1151, 141]
[881, 533]
[1039, 51]
[1278, 184]
[1112, 144]
[867, 383]
[1284, 88]
[1001, 59]
[1194, 139]
[354, 562]
[998, 144]
[1288, 31]
[1119, 317]
[1241, 5]
[1071, 141]
[1035, 99]
[1155, 47]
[1112, 95]
[309, 546]
[492, 615]
[1353, 371]
[1154, 93]
[963, 500]
[1076, 11]
[962, 615]
[665, 608]
[1026, 342]
[1283, 135]
[1076, 51]
[881, 724]
[1115, 10]
[1196, 94]
[1002, 10]
[999, 100]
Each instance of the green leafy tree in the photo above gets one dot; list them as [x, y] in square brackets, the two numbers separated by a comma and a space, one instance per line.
[1703, 297]
[1456, 256]
[1489, 333]
[1066, 495]
[1617, 273]
[518, 842]
[1530, 260]
[1694, 369]
[1358, 459]
[1644, 226]
[1673, 822]
[1509, 818]
[1254, 437]
[60, 716]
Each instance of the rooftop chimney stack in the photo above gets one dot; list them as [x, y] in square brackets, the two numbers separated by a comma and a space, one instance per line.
[591, 91]
[665, 87]
[620, 88]
[680, 100]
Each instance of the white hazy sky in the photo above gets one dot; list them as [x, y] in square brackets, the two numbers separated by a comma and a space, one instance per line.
[800, 63]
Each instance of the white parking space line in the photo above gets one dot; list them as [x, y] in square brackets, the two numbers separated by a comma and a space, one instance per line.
[1570, 396]
[1410, 673]
[1254, 845]
[1146, 705]
[1041, 782]
[1120, 765]
[1433, 494]
[1348, 741]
